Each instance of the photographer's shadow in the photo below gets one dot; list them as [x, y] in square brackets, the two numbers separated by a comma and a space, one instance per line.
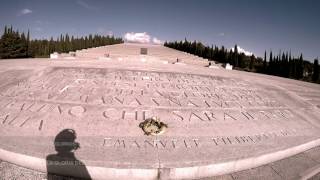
[64, 161]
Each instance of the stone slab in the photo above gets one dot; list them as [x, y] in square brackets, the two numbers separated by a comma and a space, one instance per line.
[298, 164]
[8, 170]
[219, 118]
[261, 173]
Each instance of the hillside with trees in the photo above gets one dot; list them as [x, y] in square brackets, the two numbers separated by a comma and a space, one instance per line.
[14, 44]
[282, 64]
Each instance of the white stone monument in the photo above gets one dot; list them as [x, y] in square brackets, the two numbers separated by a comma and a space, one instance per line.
[54, 55]
[228, 66]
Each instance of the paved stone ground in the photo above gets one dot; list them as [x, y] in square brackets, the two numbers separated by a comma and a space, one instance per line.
[105, 104]
[286, 169]
[10, 171]
[49, 96]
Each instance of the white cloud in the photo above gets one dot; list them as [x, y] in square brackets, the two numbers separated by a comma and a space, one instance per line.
[85, 5]
[221, 34]
[241, 50]
[25, 11]
[156, 41]
[144, 38]
[137, 37]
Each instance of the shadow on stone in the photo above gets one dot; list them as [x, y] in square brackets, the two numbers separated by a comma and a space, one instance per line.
[64, 161]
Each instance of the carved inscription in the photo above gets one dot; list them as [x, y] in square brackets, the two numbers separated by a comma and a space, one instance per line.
[112, 142]
[15, 112]
[200, 116]
[105, 95]
[143, 89]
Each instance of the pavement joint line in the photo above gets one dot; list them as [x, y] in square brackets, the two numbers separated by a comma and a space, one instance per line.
[316, 160]
[275, 171]
[309, 173]
[310, 158]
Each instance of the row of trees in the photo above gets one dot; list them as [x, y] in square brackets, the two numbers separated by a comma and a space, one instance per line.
[283, 64]
[19, 45]
[222, 55]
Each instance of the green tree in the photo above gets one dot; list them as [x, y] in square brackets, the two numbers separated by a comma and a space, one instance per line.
[251, 65]
[16, 45]
[300, 67]
[315, 73]
[28, 54]
[235, 56]
[12, 45]
[270, 68]
[265, 62]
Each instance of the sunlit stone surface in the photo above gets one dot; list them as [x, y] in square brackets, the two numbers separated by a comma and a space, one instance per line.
[213, 115]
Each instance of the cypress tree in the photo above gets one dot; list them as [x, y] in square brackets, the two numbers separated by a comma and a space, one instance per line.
[315, 73]
[5, 30]
[17, 45]
[12, 45]
[300, 67]
[270, 69]
[251, 62]
[235, 58]
[265, 62]
[28, 44]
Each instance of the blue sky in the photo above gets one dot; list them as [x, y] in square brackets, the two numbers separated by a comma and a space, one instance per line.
[255, 25]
